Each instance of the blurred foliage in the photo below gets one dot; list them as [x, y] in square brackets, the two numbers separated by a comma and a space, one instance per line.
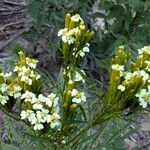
[126, 23]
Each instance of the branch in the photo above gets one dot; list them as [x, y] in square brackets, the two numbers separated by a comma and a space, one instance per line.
[14, 3]
[12, 38]
[10, 24]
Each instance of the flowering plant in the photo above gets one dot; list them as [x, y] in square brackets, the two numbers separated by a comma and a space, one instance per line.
[56, 114]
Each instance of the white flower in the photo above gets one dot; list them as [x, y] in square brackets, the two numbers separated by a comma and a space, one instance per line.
[82, 53]
[144, 75]
[144, 97]
[78, 76]
[3, 99]
[32, 65]
[31, 116]
[17, 95]
[42, 113]
[63, 142]
[38, 102]
[37, 77]
[143, 103]
[76, 18]
[140, 51]
[31, 62]
[121, 87]
[38, 105]
[68, 38]
[78, 97]
[27, 114]
[10, 93]
[145, 49]
[128, 76]
[48, 118]
[37, 119]
[71, 41]
[23, 71]
[29, 82]
[16, 69]
[117, 67]
[136, 73]
[52, 98]
[74, 30]
[86, 49]
[55, 124]
[4, 87]
[28, 96]
[32, 75]
[23, 114]
[24, 78]
[148, 65]
[17, 88]
[38, 126]
[16, 91]
[56, 109]
[55, 116]
[82, 26]
[62, 32]
[6, 75]
[49, 102]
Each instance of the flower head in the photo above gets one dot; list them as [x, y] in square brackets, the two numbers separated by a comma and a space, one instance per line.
[78, 97]
[76, 18]
[144, 97]
[121, 87]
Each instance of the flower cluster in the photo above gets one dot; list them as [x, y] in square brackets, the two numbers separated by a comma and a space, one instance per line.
[144, 96]
[145, 49]
[4, 94]
[43, 110]
[69, 35]
[132, 81]
[7, 91]
[26, 69]
[38, 109]
[75, 37]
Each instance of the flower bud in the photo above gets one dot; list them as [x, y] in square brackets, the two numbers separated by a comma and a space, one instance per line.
[68, 98]
[77, 41]
[89, 36]
[67, 20]
[65, 49]
[65, 106]
[64, 95]
[71, 25]
[73, 107]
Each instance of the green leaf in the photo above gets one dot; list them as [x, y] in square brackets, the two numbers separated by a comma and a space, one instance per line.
[4, 146]
[83, 112]
[105, 4]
